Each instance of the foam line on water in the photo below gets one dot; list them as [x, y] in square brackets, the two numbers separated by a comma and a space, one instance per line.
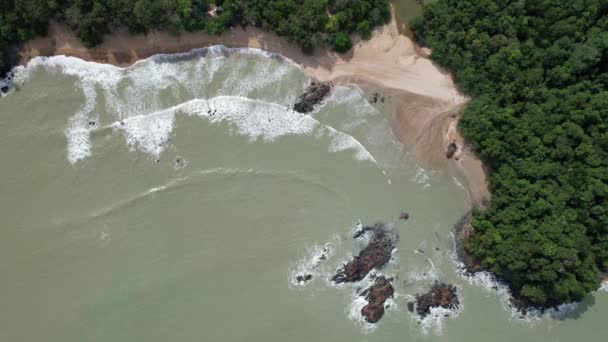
[191, 177]
[434, 322]
[147, 125]
[252, 118]
[314, 263]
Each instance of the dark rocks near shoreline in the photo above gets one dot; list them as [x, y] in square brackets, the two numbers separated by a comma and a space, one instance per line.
[470, 266]
[404, 216]
[315, 93]
[376, 296]
[452, 149]
[440, 295]
[376, 97]
[375, 255]
[4, 89]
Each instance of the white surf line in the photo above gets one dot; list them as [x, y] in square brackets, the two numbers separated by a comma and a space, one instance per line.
[151, 136]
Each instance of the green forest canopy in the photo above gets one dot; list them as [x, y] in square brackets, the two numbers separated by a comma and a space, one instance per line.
[538, 73]
[304, 22]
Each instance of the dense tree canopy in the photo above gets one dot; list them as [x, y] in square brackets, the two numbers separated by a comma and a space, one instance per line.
[304, 22]
[538, 74]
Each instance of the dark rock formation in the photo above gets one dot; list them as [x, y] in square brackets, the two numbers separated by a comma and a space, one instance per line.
[452, 148]
[441, 295]
[404, 216]
[374, 98]
[376, 296]
[4, 89]
[303, 278]
[359, 233]
[315, 93]
[375, 255]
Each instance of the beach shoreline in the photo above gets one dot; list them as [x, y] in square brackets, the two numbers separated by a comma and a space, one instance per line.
[428, 105]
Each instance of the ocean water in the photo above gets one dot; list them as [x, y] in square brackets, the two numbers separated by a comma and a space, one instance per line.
[178, 200]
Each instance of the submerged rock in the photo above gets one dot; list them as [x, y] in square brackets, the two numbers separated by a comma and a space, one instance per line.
[404, 216]
[315, 93]
[375, 255]
[303, 278]
[441, 295]
[376, 296]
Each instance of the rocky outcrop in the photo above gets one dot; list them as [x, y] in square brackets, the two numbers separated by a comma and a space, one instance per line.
[375, 255]
[303, 278]
[404, 216]
[315, 93]
[441, 295]
[376, 296]
[452, 149]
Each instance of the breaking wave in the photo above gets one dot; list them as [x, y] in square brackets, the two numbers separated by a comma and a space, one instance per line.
[218, 84]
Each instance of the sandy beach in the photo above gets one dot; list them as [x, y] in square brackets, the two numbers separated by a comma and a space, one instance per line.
[428, 102]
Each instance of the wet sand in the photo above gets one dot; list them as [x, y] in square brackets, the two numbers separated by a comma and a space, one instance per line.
[428, 101]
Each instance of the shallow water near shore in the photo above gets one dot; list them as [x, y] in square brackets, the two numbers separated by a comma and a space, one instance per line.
[178, 199]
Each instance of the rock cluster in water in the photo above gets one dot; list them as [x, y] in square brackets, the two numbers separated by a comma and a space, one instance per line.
[441, 295]
[376, 296]
[315, 93]
[375, 255]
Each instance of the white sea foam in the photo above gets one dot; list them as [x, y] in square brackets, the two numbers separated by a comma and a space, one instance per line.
[434, 322]
[314, 263]
[421, 176]
[604, 286]
[90, 76]
[132, 95]
[353, 312]
[425, 274]
[148, 133]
